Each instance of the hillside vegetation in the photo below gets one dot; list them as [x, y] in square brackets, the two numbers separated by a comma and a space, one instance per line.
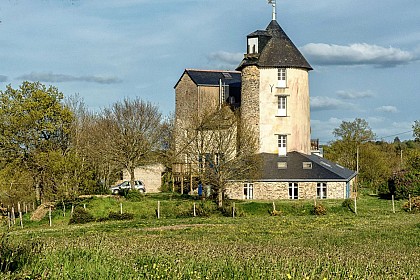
[258, 243]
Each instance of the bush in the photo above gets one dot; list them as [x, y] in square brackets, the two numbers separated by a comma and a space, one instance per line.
[227, 209]
[81, 216]
[120, 217]
[205, 209]
[404, 183]
[134, 195]
[276, 213]
[348, 203]
[415, 205]
[319, 210]
[14, 256]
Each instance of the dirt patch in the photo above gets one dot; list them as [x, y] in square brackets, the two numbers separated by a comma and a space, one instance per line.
[41, 211]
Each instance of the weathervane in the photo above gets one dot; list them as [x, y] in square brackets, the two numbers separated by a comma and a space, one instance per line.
[273, 3]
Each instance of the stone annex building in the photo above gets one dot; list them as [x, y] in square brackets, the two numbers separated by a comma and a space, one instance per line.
[271, 88]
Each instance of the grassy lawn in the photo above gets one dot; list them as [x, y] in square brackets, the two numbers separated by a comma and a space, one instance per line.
[374, 244]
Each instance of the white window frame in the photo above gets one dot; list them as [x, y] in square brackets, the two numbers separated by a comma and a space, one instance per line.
[281, 77]
[321, 190]
[282, 144]
[248, 191]
[281, 106]
[293, 190]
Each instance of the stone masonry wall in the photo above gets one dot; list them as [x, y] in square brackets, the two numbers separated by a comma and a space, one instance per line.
[250, 107]
[280, 190]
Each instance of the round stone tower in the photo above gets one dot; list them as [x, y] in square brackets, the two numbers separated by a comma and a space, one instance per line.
[275, 92]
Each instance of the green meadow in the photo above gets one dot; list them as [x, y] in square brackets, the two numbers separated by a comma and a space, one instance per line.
[375, 243]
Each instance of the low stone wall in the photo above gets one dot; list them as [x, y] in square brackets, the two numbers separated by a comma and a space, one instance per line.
[280, 190]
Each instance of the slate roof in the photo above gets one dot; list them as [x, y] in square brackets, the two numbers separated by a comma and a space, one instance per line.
[322, 169]
[279, 51]
[212, 77]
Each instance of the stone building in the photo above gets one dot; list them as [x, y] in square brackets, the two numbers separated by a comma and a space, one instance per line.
[271, 89]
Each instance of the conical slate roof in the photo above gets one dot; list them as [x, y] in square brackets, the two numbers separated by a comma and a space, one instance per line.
[279, 50]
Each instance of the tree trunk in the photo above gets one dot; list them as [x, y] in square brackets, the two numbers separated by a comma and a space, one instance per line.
[220, 198]
[38, 193]
[132, 186]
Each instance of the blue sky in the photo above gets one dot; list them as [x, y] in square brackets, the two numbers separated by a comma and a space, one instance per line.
[365, 54]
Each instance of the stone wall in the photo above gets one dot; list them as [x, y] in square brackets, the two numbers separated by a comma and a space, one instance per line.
[280, 190]
[250, 106]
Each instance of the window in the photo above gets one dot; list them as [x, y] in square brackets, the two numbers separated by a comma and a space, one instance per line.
[248, 191]
[282, 165]
[282, 105]
[321, 190]
[252, 45]
[281, 78]
[282, 142]
[307, 165]
[293, 191]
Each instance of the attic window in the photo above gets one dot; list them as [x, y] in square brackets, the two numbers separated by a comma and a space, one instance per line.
[252, 45]
[227, 75]
[282, 165]
[307, 165]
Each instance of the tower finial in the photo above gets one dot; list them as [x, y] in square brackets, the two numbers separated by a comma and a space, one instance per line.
[273, 3]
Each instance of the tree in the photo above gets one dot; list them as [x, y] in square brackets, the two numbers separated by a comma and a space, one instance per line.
[132, 134]
[219, 148]
[33, 122]
[351, 136]
[416, 131]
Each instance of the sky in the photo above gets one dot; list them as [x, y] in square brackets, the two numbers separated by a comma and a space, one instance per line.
[365, 54]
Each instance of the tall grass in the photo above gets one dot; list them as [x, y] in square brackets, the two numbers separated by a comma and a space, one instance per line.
[375, 244]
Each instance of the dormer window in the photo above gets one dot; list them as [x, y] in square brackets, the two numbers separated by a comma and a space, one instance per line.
[252, 45]
[281, 78]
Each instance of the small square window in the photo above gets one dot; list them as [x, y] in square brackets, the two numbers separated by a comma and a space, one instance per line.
[307, 165]
[282, 165]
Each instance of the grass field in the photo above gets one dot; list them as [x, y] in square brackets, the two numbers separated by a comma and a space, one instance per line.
[374, 244]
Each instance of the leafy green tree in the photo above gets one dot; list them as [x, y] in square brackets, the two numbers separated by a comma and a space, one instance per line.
[351, 135]
[416, 131]
[33, 122]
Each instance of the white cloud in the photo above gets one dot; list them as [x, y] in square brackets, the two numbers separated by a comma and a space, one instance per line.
[322, 103]
[356, 54]
[387, 109]
[225, 59]
[60, 78]
[354, 94]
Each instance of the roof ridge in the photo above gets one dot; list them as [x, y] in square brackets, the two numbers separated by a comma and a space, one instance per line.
[214, 71]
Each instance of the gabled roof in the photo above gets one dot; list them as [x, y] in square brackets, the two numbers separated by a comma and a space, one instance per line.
[321, 169]
[279, 51]
[212, 77]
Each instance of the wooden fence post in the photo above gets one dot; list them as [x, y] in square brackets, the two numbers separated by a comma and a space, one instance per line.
[158, 210]
[393, 204]
[409, 201]
[274, 207]
[121, 211]
[9, 222]
[195, 214]
[64, 208]
[49, 216]
[355, 205]
[233, 210]
[72, 210]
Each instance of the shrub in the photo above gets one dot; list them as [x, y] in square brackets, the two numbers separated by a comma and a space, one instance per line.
[81, 216]
[404, 183]
[15, 256]
[205, 209]
[120, 217]
[227, 209]
[319, 210]
[415, 205]
[134, 195]
[348, 203]
[276, 213]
